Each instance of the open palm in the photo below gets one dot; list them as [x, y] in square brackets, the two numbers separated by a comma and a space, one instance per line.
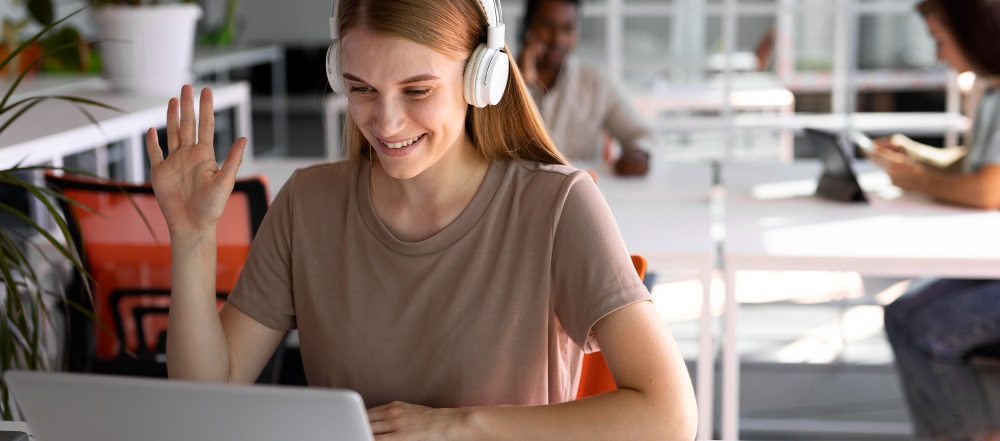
[190, 187]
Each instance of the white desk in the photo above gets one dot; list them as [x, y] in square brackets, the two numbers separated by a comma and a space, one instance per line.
[54, 129]
[774, 223]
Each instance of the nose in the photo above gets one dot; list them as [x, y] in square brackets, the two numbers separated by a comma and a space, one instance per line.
[389, 117]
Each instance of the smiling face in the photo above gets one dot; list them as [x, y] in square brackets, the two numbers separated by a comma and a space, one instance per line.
[948, 49]
[407, 101]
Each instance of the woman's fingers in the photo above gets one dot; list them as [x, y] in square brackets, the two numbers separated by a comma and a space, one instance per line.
[234, 158]
[206, 120]
[153, 148]
[173, 125]
[188, 126]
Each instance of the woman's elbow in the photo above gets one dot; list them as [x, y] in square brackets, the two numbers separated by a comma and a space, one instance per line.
[676, 418]
[687, 422]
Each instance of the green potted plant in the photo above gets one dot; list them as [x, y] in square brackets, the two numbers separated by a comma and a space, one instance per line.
[62, 49]
[146, 46]
[26, 303]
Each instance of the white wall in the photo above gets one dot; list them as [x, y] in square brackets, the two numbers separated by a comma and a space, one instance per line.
[295, 22]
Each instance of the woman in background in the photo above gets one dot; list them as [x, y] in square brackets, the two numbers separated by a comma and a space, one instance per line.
[937, 323]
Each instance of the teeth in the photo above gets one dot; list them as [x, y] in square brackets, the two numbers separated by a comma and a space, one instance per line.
[399, 145]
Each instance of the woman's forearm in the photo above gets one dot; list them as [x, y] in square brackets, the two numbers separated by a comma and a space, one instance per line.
[980, 190]
[621, 414]
[196, 343]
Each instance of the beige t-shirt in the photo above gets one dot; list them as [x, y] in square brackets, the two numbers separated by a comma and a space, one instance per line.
[494, 309]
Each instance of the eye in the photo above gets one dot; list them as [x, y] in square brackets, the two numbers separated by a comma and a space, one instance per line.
[361, 90]
[418, 93]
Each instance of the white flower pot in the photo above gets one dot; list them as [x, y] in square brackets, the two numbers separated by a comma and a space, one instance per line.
[147, 49]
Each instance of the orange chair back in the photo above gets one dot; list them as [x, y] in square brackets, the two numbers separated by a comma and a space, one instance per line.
[595, 377]
[129, 262]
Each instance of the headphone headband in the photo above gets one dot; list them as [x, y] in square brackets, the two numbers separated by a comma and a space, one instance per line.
[486, 72]
[494, 22]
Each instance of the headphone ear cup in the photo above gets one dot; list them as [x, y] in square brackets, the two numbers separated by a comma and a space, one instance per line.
[470, 76]
[497, 70]
[485, 77]
[333, 75]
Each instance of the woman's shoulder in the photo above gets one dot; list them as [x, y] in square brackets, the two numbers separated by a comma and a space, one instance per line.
[538, 176]
[321, 177]
[321, 173]
[539, 170]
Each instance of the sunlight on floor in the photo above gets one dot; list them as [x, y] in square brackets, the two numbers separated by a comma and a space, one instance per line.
[788, 316]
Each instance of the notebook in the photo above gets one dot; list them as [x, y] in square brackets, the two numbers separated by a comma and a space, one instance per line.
[85, 407]
[839, 180]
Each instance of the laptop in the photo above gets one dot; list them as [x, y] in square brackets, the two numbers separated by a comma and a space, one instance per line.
[87, 407]
[839, 180]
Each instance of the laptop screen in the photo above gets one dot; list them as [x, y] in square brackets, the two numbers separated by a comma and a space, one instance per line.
[84, 407]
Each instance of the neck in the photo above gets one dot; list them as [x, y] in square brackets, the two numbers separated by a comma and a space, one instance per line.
[417, 208]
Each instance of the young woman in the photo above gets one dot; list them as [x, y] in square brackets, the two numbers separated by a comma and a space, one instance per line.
[937, 323]
[452, 271]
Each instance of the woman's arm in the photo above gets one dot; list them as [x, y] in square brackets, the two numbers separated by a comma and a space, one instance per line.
[654, 400]
[192, 192]
[980, 189]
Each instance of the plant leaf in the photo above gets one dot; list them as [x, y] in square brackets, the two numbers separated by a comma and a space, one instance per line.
[31, 40]
[41, 10]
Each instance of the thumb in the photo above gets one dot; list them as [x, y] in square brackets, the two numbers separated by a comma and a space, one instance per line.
[234, 158]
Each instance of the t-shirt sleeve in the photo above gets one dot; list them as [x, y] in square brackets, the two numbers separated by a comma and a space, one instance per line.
[990, 109]
[264, 288]
[593, 274]
[992, 154]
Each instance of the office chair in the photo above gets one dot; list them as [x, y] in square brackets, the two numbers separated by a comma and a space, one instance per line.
[595, 377]
[117, 313]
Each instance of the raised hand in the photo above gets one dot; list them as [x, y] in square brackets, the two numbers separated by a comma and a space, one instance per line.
[533, 50]
[190, 188]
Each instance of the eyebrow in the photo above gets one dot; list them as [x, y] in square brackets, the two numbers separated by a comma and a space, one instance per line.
[414, 79]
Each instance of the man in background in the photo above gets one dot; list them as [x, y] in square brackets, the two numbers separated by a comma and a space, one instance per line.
[580, 106]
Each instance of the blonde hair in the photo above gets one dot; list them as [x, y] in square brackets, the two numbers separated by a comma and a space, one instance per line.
[511, 129]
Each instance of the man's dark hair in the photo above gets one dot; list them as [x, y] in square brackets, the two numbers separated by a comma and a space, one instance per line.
[531, 9]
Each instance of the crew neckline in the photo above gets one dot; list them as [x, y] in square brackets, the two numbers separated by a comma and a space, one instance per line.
[450, 234]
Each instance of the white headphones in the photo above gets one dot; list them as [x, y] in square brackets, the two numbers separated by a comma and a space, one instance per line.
[485, 74]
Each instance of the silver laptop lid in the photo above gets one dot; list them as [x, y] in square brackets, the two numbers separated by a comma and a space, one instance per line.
[83, 407]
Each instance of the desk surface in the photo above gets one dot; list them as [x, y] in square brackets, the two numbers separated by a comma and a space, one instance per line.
[774, 222]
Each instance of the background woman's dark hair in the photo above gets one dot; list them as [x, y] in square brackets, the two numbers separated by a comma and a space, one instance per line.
[976, 27]
[530, 10]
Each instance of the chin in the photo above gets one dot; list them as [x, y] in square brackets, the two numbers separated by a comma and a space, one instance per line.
[396, 170]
